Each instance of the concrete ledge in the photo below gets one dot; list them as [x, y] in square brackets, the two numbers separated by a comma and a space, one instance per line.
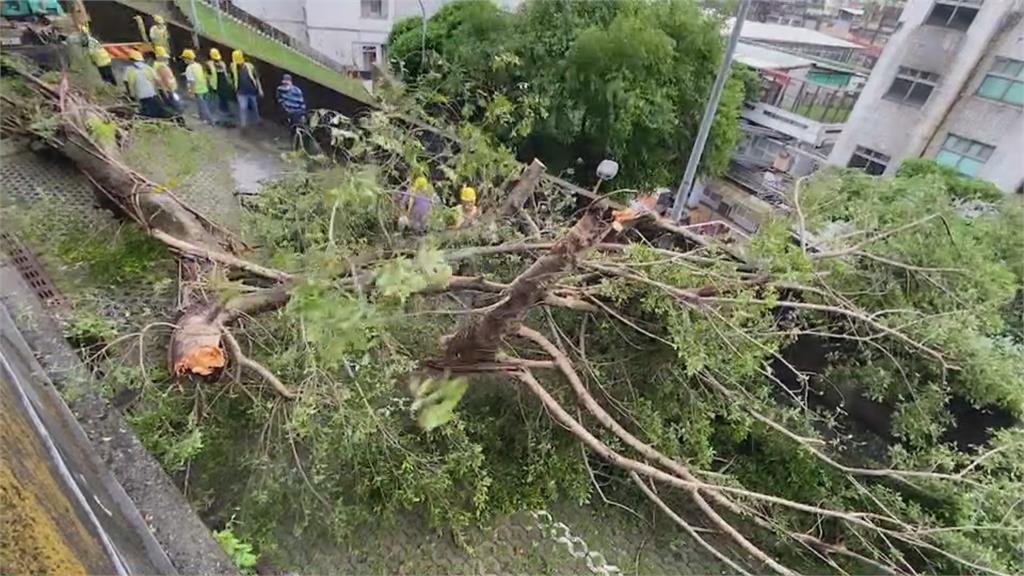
[156, 530]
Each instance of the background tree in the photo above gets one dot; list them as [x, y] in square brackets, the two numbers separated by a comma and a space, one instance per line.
[564, 81]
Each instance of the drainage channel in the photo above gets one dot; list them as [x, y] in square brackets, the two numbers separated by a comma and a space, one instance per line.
[26, 263]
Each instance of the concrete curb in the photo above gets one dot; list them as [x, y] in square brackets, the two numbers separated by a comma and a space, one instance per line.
[159, 531]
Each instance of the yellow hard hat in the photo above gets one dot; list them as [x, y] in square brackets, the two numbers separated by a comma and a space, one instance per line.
[468, 194]
[188, 54]
[158, 19]
[161, 52]
[237, 57]
[215, 54]
[135, 55]
[420, 184]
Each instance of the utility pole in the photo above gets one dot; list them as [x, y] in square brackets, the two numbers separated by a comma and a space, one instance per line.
[709, 114]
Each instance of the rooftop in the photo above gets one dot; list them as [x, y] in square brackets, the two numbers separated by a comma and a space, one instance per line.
[764, 58]
[763, 32]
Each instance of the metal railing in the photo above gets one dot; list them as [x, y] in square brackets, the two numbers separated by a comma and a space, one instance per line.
[808, 99]
[772, 190]
[228, 8]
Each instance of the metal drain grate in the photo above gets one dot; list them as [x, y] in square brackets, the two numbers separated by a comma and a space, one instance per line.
[31, 270]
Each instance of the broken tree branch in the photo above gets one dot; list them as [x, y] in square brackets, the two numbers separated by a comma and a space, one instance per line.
[255, 366]
[477, 342]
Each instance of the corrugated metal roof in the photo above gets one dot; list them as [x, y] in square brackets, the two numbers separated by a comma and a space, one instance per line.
[763, 58]
[763, 32]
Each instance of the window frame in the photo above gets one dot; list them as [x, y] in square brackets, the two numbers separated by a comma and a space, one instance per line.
[915, 77]
[998, 75]
[870, 157]
[364, 48]
[953, 141]
[957, 6]
[366, 9]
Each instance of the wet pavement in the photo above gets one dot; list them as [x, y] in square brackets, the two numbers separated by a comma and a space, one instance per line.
[257, 157]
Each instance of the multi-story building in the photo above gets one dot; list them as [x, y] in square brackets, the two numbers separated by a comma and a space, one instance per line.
[352, 32]
[949, 86]
[801, 13]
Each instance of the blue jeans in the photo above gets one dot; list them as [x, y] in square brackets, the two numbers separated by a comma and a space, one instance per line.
[247, 103]
[203, 106]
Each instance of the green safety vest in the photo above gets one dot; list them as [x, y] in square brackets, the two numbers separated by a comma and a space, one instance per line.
[250, 70]
[198, 75]
[211, 74]
[158, 35]
[99, 55]
[144, 86]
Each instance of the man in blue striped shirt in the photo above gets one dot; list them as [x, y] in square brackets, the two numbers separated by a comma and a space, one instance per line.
[289, 96]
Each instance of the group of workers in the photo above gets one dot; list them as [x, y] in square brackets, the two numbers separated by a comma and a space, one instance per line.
[416, 205]
[213, 85]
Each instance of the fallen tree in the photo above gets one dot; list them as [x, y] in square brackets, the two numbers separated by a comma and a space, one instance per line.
[674, 367]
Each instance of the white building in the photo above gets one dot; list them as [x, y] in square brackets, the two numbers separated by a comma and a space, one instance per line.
[950, 86]
[352, 32]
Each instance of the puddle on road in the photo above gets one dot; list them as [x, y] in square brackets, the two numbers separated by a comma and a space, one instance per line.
[251, 169]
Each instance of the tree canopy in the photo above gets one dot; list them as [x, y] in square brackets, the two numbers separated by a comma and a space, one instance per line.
[578, 80]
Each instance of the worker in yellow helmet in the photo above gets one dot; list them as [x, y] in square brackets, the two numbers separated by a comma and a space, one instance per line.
[142, 86]
[198, 87]
[217, 76]
[415, 205]
[159, 35]
[467, 210]
[167, 83]
[248, 89]
[98, 54]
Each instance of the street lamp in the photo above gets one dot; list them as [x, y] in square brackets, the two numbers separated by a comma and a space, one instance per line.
[606, 170]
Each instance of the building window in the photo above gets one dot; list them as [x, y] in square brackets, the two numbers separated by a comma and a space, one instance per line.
[1004, 82]
[955, 14]
[368, 56]
[912, 86]
[375, 8]
[868, 160]
[966, 156]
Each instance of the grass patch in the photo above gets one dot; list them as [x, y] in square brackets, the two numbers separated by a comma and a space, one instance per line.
[229, 31]
[81, 253]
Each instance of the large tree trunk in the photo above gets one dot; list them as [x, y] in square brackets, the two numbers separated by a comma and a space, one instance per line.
[522, 189]
[478, 341]
[152, 206]
[196, 345]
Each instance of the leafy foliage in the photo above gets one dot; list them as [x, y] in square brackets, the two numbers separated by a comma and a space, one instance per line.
[904, 299]
[240, 552]
[569, 80]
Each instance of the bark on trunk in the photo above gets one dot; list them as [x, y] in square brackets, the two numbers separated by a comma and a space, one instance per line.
[523, 188]
[155, 208]
[478, 341]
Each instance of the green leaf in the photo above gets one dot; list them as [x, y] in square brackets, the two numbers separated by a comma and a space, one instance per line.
[436, 401]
